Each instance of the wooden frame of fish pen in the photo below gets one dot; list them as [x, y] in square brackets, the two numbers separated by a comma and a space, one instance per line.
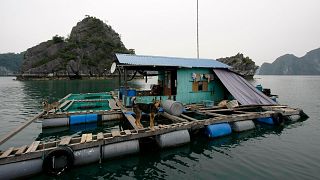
[100, 141]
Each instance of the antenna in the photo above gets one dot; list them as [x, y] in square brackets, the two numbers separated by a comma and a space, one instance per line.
[197, 29]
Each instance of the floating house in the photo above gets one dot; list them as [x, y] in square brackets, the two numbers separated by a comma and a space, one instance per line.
[198, 84]
[186, 80]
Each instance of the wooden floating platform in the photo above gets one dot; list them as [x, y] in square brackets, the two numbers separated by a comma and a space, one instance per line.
[37, 149]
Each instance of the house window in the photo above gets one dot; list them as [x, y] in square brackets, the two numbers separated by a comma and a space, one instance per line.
[200, 86]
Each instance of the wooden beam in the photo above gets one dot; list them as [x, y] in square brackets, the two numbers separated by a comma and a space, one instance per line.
[131, 120]
[65, 141]
[33, 146]
[215, 114]
[63, 104]
[69, 105]
[100, 136]
[188, 117]
[21, 150]
[83, 138]
[113, 104]
[173, 118]
[128, 132]
[115, 133]
[89, 137]
[7, 152]
[64, 98]
[77, 145]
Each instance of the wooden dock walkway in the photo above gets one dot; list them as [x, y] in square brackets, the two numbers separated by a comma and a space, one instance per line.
[37, 149]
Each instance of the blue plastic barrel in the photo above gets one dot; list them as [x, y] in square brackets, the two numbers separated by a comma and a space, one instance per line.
[77, 119]
[122, 91]
[91, 118]
[218, 130]
[266, 120]
[131, 92]
[83, 118]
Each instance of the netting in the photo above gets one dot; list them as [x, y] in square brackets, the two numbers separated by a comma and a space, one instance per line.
[86, 106]
[90, 96]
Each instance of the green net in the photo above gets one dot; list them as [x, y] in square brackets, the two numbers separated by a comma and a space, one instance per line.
[89, 96]
[87, 106]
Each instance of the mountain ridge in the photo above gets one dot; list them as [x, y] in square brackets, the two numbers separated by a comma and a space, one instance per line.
[289, 64]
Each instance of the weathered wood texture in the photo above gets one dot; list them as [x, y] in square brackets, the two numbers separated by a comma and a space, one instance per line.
[89, 140]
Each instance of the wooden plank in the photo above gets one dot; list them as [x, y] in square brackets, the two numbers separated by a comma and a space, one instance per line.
[187, 117]
[15, 131]
[218, 110]
[33, 146]
[131, 120]
[128, 132]
[100, 136]
[173, 118]
[83, 138]
[63, 104]
[215, 114]
[7, 152]
[89, 137]
[186, 125]
[115, 133]
[21, 150]
[113, 104]
[65, 141]
[64, 97]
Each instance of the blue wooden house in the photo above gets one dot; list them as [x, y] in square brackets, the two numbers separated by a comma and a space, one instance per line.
[187, 80]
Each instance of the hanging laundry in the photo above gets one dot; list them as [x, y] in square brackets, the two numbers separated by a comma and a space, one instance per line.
[201, 77]
[194, 76]
[198, 78]
[207, 76]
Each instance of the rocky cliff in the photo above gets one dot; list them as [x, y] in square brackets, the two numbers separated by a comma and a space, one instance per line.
[289, 64]
[88, 51]
[240, 64]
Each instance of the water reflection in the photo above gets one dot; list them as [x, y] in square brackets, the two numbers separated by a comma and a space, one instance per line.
[154, 163]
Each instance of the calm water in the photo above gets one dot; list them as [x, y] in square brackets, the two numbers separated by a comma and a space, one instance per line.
[290, 152]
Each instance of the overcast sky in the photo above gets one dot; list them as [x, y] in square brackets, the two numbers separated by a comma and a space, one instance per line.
[261, 29]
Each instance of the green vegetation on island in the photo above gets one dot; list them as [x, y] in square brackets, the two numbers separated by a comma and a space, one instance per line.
[241, 64]
[88, 51]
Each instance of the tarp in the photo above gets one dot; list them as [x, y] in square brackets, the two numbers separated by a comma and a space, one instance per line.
[241, 89]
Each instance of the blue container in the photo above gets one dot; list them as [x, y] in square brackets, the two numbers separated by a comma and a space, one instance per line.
[131, 92]
[77, 119]
[259, 87]
[83, 118]
[218, 130]
[208, 103]
[267, 120]
[122, 91]
[91, 118]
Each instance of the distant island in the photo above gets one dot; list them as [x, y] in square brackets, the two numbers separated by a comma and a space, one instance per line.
[241, 64]
[289, 64]
[86, 53]
[10, 63]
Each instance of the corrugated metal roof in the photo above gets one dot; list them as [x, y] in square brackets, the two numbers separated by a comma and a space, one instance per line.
[168, 61]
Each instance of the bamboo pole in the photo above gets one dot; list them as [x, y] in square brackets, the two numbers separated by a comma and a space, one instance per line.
[18, 129]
